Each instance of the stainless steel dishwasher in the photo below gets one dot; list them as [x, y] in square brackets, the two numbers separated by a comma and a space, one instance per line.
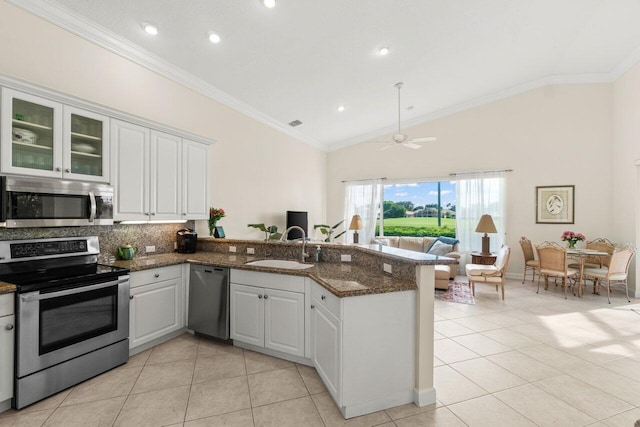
[209, 301]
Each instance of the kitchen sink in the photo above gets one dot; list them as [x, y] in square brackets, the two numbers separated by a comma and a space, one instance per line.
[280, 263]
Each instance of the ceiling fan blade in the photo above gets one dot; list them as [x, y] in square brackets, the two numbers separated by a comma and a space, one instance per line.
[425, 139]
[410, 144]
[386, 147]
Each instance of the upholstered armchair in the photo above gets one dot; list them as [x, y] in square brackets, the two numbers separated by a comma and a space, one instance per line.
[490, 274]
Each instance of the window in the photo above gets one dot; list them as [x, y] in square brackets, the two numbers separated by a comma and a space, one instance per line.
[419, 209]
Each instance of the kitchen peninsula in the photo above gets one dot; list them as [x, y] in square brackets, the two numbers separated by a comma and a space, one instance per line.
[368, 333]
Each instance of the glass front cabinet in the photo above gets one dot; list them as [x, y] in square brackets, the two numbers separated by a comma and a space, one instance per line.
[45, 138]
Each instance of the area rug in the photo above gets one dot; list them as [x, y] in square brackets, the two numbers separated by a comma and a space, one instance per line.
[458, 292]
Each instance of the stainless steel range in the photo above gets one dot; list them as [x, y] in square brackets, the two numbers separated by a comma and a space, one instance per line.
[72, 314]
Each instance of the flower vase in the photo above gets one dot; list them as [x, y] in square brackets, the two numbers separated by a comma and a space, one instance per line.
[572, 244]
[212, 228]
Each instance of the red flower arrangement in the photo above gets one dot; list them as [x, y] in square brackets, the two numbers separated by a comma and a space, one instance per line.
[572, 238]
[214, 216]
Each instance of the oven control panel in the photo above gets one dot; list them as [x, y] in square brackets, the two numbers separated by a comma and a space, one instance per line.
[48, 248]
[24, 250]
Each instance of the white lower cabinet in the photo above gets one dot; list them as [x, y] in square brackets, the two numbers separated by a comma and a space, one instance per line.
[7, 331]
[363, 348]
[156, 305]
[267, 316]
[326, 348]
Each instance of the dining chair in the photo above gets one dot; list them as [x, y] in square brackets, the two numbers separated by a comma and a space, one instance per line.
[553, 262]
[530, 261]
[616, 272]
[495, 274]
[600, 244]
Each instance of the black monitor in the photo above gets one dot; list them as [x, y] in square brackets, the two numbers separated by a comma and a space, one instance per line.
[300, 219]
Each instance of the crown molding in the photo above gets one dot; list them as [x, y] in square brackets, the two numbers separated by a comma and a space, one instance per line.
[80, 26]
[89, 30]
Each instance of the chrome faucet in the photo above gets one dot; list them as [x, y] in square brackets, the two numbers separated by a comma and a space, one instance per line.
[303, 255]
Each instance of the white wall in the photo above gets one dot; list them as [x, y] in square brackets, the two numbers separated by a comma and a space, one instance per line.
[556, 135]
[257, 172]
[626, 151]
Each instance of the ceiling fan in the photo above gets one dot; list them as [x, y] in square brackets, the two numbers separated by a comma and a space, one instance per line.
[402, 138]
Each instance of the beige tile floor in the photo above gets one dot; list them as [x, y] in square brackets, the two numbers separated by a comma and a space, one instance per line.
[530, 360]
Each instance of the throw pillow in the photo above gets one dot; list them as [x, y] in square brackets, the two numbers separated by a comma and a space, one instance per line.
[446, 240]
[439, 248]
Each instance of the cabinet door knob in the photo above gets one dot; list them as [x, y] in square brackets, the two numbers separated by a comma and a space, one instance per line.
[323, 297]
[67, 170]
[146, 213]
[259, 296]
[130, 296]
[184, 214]
[9, 327]
[58, 169]
[153, 213]
[312, 306]
[266, 296]
[156, 275]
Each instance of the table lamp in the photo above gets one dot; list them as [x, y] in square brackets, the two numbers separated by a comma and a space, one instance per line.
[356, 224]
[486, 225]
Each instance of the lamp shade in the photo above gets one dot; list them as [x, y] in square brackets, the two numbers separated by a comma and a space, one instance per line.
[356, 223]
[486, 225]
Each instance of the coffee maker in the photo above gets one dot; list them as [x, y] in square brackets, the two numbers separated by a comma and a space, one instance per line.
[187, 240]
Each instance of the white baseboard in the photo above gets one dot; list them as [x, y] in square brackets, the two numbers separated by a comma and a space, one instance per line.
[5, 405]
[274, 353]
[424, 397]
[390, 401]
[148, 345]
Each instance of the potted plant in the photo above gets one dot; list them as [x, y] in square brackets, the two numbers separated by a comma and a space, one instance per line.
[215, 215]
[328, 230]
[270, 233]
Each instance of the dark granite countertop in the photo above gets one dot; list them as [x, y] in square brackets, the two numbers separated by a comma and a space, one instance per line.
[343, 279]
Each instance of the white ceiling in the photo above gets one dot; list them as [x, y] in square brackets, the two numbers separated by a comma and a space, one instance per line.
[303, 58]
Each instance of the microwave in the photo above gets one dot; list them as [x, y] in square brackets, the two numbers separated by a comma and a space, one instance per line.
[42, 202]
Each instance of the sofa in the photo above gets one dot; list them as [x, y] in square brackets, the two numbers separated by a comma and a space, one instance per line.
[444, 273]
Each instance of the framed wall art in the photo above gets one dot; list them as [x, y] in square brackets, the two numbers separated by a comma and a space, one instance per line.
[555, 204]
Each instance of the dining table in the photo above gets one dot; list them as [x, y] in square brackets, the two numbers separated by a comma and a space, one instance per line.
[581, 255]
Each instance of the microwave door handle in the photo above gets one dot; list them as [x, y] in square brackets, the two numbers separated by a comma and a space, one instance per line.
[39, 297]
[92, 212]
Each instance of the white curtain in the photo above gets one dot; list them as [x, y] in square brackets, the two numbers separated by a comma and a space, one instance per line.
[475, 196]
[362, 198]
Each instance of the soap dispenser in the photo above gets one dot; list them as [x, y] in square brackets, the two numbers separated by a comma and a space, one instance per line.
[318, 253]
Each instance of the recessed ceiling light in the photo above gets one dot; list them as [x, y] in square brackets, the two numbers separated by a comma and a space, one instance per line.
[150, 28]
[269, 3]
[384, 50]
[340, 108]
[213, 37]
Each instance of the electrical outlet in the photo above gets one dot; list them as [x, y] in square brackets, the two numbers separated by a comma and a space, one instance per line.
[387, 268]
[251, 251]
[232, 249]
[150, 249]
[345, 257]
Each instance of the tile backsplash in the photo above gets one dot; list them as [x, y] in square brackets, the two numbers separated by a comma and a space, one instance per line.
[162, 236]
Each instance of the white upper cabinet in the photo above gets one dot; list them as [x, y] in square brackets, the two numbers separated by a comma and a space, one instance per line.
[166, 176]
[130, 146]
[195, 164]
[31, 135]
[44, 138]
[85, 152]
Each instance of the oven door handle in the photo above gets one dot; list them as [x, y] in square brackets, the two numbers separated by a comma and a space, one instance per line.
[93, 209]
[81, 289]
